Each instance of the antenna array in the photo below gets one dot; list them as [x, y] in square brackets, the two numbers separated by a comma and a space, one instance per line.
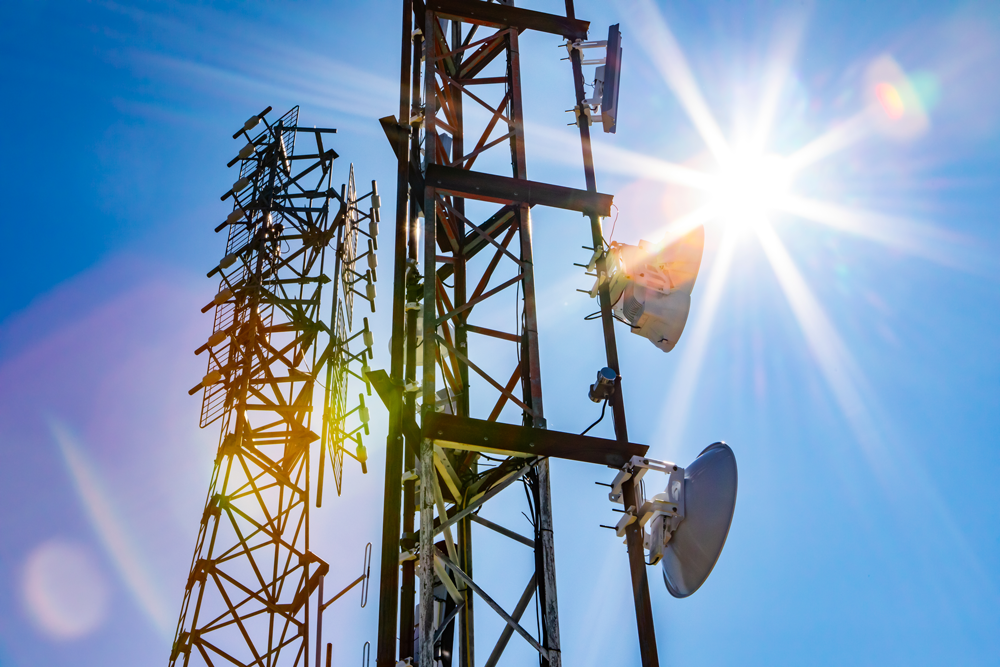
[251, 595]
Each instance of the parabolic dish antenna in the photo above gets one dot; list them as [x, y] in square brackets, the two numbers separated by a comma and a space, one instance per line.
[710, 499]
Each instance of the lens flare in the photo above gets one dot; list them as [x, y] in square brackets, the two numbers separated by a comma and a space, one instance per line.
[111, 529]
[64, 590]
[890, 99]
[899, 111]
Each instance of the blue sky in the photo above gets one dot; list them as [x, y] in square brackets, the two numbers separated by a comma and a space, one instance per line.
[846, 348]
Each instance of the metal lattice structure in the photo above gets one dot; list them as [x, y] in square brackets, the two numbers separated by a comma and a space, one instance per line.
[254, 592]
[472, 424]
[338, 428]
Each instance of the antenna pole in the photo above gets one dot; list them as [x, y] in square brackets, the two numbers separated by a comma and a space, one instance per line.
[389, 577]
[633, 532]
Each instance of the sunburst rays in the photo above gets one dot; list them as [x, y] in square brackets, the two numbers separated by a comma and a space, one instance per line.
[901, 477]
[783, 53]
[839, 137]
[918, 239]
[826, 345]
[664, 51]
[681, 393]
[835, 362]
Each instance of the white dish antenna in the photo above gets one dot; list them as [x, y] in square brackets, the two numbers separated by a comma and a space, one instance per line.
[651, 285]
[687, 524]
[709, 502]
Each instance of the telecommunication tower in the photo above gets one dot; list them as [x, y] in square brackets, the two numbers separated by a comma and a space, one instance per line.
[254, 595]
[464, 390]
[477, 221]
[463, 213]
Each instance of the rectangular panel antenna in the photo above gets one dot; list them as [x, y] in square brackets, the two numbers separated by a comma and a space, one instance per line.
[612, 77]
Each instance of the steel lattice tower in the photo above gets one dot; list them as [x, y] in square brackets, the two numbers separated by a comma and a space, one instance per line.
[464, 390]
[464, 214]
[254, 593]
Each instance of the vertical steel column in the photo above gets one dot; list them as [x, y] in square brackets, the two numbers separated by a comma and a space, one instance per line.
[426, 573]
[408, 588]
[385, 655]
[466, 619]
[531, 368]
[319, 621]
[428, 475]
[524, 216]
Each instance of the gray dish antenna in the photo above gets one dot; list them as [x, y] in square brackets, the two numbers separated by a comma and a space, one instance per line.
[709, 502]
[685, 527]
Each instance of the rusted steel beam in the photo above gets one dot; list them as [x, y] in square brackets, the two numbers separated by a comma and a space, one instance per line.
[508, 631]
[511, 440]
[514, 338]
[502, 401]
[482, 57]
[389, 557]
[478, 299]
[506, 16]
[494, 226]
[505, 190]
[408, 577]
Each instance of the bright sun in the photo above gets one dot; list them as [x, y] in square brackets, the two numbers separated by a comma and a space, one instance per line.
[749, 186]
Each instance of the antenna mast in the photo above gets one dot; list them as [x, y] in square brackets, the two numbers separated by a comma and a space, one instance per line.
[254, 594]
[463, 244]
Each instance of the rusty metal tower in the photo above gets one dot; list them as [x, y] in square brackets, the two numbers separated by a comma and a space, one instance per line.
[467, 426]
[254, 594]
[464, 393]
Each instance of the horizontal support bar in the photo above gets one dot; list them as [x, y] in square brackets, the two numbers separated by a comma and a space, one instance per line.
[296, 128]
[503, 189]
[479, 435]
[506, 16]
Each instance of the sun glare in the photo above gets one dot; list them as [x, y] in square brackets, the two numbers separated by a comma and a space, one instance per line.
[890, 99]
[750, 185]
